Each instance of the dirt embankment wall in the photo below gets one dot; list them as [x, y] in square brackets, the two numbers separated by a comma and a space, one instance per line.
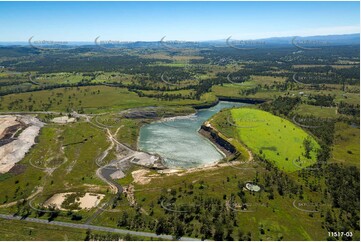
[220, 142]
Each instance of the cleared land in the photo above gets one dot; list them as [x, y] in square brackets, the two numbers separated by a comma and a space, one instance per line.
[92, 99]
[7, 121]
[63, 201]
[15, 151]
[275, 139]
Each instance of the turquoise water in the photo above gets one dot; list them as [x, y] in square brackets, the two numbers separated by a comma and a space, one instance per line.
[177, 139]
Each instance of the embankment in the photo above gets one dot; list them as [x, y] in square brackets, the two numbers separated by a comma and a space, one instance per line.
[216, 139]
[230, 99]
[243, 100]
[206, 105]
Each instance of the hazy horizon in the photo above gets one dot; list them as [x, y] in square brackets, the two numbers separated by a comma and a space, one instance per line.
[165, 40]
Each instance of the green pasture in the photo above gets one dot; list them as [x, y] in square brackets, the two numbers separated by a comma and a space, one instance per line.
[274, 138]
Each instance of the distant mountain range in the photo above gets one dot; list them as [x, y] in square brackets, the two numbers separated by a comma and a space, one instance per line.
[345, 39]
[330, 40]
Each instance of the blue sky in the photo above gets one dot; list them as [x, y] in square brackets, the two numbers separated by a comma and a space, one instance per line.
[150, 21]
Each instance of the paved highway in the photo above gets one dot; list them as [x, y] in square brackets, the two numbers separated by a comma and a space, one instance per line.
[93, 227]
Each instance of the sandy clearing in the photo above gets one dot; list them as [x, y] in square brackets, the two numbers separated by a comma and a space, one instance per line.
[140, 176]
[170, 171]
[209, 167]
[15, 151]
[63, 120]
[89, 200]
[56, 200]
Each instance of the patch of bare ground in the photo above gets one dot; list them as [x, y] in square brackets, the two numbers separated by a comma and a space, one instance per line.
[129, 193]
[13, 152]
[209, 167]
[63, 120]
[7, 121]
[141, 176]
[87, 201]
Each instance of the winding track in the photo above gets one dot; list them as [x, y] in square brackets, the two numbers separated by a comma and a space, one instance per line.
[38, 190]
[118, 189]
[103, 171]
[93, 227]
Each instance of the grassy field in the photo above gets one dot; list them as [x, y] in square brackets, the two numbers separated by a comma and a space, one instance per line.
[61, 77]
[276, 139]
[235, 91]
[72, 78]
[166, 56]
[33, 231]
[320, 112]
[42, 232]
[88, 99]
[180, 92]
[347, 145]
[269, 80]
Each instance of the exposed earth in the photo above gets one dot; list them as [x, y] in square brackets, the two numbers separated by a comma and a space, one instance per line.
[13, 152]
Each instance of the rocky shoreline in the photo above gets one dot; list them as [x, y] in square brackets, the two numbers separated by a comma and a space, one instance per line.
[222, 144]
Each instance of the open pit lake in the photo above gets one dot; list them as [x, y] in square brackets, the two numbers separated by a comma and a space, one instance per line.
[177, 139]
